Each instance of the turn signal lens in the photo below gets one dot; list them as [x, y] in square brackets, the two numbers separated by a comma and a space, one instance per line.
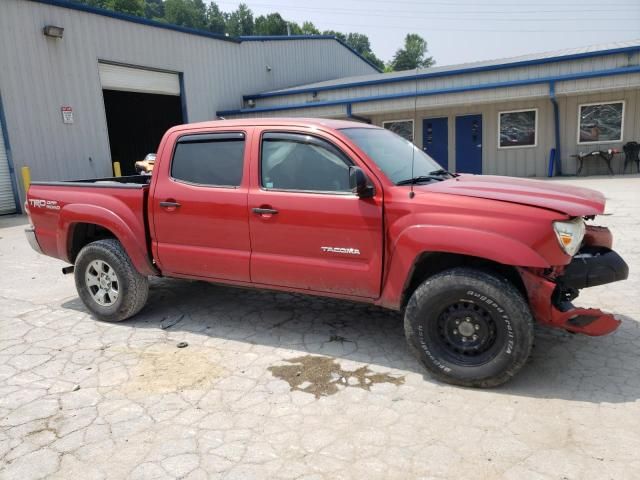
[570, 234]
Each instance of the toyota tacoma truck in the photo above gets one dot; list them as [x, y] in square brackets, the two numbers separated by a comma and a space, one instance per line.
[344, 210]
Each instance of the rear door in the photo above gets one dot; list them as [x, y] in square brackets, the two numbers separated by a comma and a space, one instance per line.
[199, 209]
[308, 230]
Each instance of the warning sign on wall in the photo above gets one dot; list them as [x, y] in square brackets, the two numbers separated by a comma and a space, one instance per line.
[67, 114]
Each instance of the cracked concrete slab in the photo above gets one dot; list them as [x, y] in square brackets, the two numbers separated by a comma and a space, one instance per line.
[82, 398]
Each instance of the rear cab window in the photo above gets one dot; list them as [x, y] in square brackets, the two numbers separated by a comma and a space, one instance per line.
[212, 159]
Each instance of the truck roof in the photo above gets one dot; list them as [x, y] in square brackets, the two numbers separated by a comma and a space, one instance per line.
[280, 121]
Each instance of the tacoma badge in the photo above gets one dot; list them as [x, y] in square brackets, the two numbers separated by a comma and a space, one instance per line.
[349, 251]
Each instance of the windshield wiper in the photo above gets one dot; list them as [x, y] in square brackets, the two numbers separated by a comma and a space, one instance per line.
[419, 179]
[442, 171]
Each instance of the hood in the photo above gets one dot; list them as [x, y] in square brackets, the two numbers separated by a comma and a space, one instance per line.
[573, 201]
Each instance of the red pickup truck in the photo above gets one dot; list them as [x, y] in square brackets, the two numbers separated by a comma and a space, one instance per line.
[344, 210]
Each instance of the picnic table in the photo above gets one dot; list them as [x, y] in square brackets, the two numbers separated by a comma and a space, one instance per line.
[605, 155]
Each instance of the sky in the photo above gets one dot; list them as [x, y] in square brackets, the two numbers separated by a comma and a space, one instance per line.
[459, 31]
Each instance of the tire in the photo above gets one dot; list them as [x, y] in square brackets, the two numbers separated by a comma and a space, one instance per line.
[469, 328]
[126, 290]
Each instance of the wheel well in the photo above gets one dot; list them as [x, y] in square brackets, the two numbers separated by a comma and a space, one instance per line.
[429, 264]
[84, 233]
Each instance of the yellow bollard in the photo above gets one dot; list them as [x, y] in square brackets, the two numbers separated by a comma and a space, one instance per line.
[116, 169]
[26, 178]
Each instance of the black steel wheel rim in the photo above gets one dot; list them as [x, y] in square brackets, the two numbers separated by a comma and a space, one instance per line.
[466, 333]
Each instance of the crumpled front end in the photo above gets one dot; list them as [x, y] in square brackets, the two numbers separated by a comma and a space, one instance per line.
[551, 291]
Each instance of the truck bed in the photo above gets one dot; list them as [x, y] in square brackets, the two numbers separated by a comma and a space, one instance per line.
[115, 206]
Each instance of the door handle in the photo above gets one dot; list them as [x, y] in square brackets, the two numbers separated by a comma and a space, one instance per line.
[168, 204]
[264, 211]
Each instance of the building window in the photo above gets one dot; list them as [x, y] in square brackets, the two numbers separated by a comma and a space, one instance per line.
[404, 128]
[600, 122]
[518, 128]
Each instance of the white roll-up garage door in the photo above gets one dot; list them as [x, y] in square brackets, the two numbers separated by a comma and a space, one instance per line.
[128, 79]
[7, 200]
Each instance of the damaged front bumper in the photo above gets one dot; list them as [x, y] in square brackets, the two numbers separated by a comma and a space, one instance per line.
[550, 298]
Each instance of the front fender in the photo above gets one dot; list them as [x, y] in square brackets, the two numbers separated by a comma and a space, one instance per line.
[128, 231]
[418, 239]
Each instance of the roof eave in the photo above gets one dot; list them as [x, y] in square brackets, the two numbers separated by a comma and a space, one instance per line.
[446, 73]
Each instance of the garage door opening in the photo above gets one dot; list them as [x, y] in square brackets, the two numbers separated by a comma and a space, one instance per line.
[136, 123]
[140, 105]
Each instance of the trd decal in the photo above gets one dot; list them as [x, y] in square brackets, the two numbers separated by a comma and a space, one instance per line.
[49, 204]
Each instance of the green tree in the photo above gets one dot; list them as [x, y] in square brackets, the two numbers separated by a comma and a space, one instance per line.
[272, 24]
[186, 13]
[154, 9]
[216, 21]
[309, 28]
[132, 7]
[240, 22]
[412, 55]
[93, 3]
[295, 29]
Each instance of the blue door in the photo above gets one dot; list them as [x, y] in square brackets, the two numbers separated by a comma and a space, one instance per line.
[435, 139]
[469, 144]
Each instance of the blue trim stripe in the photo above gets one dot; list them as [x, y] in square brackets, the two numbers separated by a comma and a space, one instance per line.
[269, 38]
[193, 31]
[438, 91]
[7, 148]
[460, 71]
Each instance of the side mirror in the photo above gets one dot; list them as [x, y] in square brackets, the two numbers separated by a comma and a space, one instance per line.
[359, 183]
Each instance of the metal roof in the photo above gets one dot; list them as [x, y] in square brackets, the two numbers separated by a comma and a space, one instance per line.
[447, 70]
[72, 5]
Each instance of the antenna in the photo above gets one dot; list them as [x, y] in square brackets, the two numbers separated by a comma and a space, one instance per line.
[415, 118]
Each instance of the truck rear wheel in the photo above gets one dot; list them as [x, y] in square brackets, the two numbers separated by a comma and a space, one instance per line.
[469, 328]
[107, 282]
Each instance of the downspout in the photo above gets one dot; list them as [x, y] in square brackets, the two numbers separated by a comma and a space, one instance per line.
[556, 125]
[356, 117]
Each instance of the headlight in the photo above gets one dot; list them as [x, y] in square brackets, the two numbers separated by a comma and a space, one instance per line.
[570, 234]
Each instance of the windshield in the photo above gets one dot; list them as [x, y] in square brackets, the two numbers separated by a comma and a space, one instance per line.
[392, 153]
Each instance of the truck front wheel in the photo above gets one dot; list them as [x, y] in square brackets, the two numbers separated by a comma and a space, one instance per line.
[469, 327]
[107, 282]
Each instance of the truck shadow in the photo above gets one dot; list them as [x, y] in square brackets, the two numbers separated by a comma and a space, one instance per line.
[562, 366]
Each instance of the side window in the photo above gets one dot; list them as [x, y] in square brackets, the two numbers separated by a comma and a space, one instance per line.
[302, 162]
[212, 159]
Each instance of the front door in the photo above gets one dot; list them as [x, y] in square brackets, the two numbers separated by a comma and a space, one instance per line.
[469, 144]
[435, 139]
[308, 230]
[200, 221]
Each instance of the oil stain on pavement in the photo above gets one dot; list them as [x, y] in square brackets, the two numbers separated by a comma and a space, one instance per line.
[323, 376]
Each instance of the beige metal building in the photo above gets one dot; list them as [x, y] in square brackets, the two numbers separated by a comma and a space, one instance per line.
[81, 87]
[492, 117]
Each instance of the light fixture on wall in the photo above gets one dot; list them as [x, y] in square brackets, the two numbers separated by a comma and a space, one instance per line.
[53, 31]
